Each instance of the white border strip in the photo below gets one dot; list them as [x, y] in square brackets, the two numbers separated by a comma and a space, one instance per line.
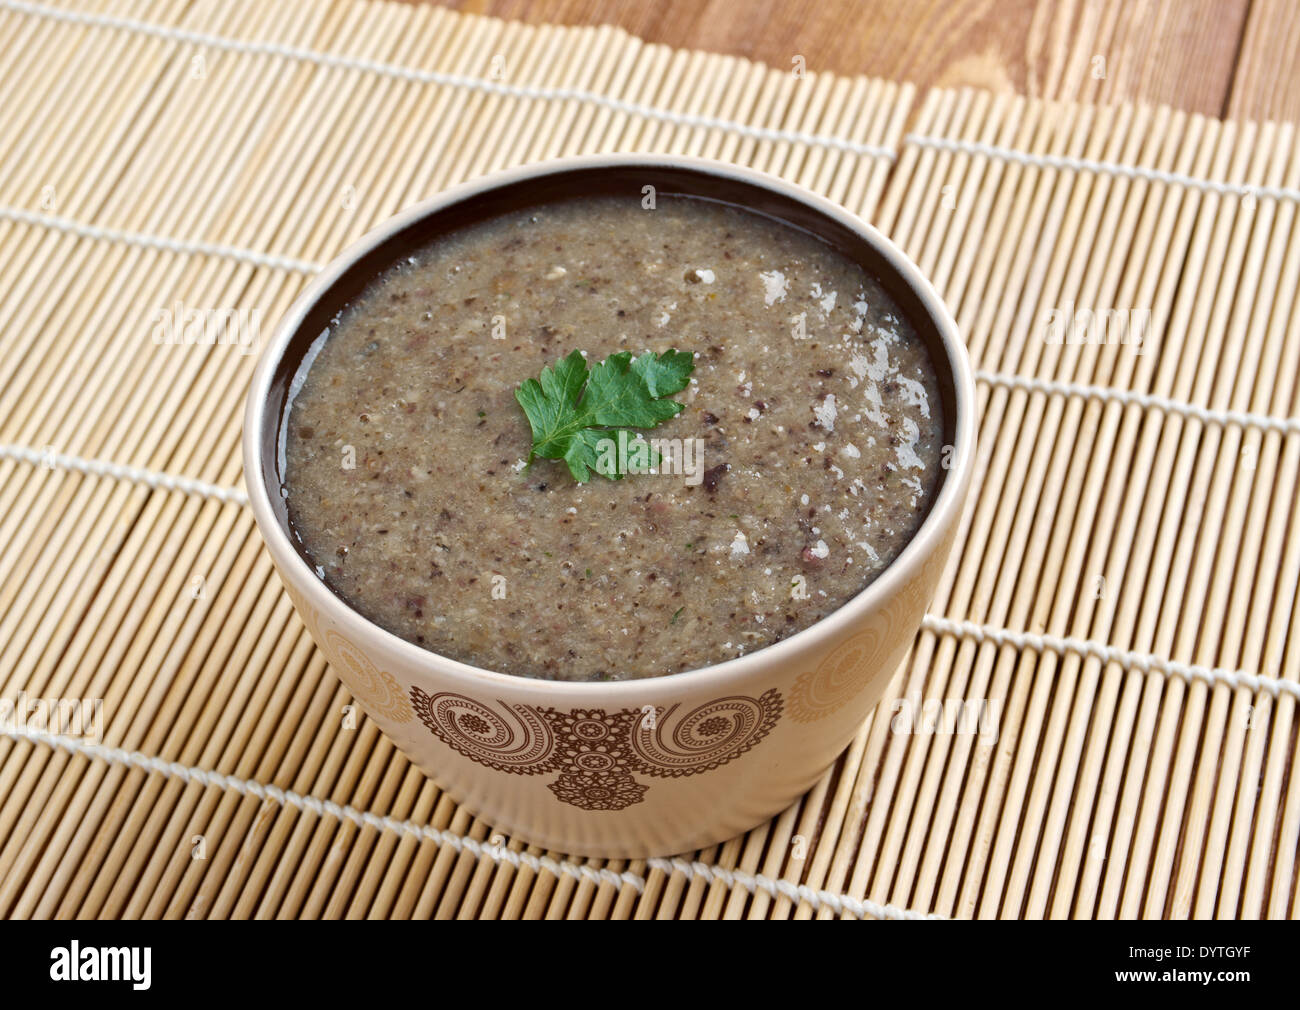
[223, 42]
[1147, 663]
[1243, 190]
[1283, 425]
[753, 883]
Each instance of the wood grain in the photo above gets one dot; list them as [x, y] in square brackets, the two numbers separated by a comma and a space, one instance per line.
[1267, 82]
[1217, 57]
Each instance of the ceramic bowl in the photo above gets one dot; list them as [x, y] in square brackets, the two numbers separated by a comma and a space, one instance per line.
[631, 768]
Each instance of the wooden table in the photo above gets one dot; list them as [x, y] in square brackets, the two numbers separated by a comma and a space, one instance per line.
[1226, 58]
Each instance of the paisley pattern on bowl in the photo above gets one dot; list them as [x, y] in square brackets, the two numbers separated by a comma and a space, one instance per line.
[594, 752]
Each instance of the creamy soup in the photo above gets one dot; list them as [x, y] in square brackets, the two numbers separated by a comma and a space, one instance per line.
[808, 451]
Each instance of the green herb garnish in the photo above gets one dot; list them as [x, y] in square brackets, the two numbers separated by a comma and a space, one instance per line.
[676, 614]
[571, 408]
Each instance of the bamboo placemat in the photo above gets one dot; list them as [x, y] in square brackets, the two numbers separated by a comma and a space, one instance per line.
[1123, 595]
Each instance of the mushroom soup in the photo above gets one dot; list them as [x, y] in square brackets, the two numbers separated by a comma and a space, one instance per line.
[806, 453]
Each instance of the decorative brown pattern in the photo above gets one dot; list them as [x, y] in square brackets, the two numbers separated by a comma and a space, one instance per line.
[517, 739]
[594, 751]
[709, 736]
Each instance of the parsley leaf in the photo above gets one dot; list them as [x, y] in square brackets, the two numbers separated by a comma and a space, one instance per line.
[571, 408]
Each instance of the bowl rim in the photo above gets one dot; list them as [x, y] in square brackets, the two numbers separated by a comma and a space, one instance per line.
[943, 514]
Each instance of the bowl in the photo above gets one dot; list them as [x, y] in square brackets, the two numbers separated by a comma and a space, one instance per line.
[620, 769]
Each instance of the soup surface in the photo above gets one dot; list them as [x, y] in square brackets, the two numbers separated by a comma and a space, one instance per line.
[815, 406]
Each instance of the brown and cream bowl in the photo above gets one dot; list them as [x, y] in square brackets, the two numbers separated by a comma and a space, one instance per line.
[637, 767]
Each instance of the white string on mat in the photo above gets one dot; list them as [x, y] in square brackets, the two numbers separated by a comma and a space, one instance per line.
[1147, 663]
[212, 41]
[1101, 167]
[1148, 401]
[186, 246]
[135, 474]
[753, 883]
